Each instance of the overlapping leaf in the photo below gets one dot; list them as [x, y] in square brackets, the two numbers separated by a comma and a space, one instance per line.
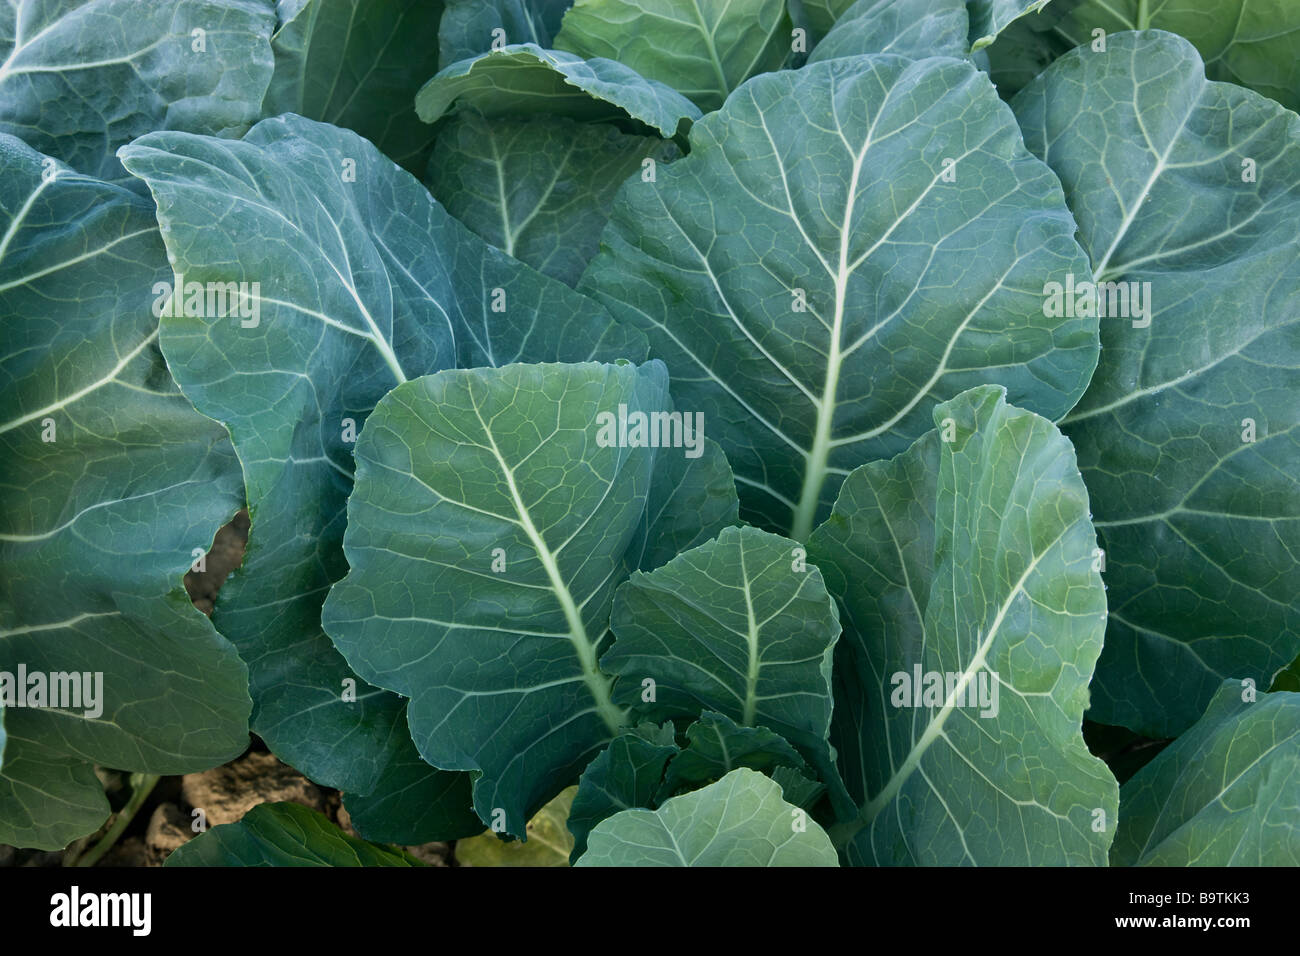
[112, 482]
[969, 557]
[79, 78]
[525, 79]
[538, 188]
[739, 821]
[1186, 192]
[362, 284]
[628, 773]
[1253, 43]
[357, 63]
[468, 26]
[703, 49]
[1225, 793]
[283, 834]
[740, 625]
[914, 28]
[846, 245]
[489, 527]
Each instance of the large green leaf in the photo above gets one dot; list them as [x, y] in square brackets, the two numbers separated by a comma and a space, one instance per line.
[914, 28]
[111, 483]
[1190, 189]
[489, 527]
[1254, 43]
[524, 79]
[816, 285]
[740, 625]
[283, 834]
[627, 774]
[538, 188]
[739, 821]
[468, 26]
[358, 63]
[703, 49]
[1225, 793]
[79, 78]
[969, 559]
[363, 284]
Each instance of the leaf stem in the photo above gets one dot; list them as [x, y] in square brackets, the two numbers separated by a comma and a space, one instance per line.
[142, 785]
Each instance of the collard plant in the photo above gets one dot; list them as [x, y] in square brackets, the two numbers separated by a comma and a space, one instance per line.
[809, 434]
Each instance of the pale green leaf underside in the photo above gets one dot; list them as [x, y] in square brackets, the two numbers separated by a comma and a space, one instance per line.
[1225, 793]
[98, 525]
[739, 626]
[913, 28]
[283, 834]
[739, 821]
[971, 558]
[486, 534]
[1199, 526]
[357, 63]
[363, 284]
[524, 79]
[703, 49]
[816, 285]
[79, 78]
[539, 189]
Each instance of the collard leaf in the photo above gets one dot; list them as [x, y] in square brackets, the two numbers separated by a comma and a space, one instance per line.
[468, 26]
[48, 797]
[822, 14]
[741, 626]
[358, 63]
[283, 834]
[717, 745]
[912, 28]
[1252, 43]
[1225, 793]
[361, 284]
[112, 485]
[412, 802]
[692, 499]
[79, 78]
[816, 284]
[988, 18]
[972, 621]
[628, 773]
[491, 521]
[549, 843]
[1187, 195]
[796, 787]
[739, 821]
[538, 188]
[703, 49]
[524, 79]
